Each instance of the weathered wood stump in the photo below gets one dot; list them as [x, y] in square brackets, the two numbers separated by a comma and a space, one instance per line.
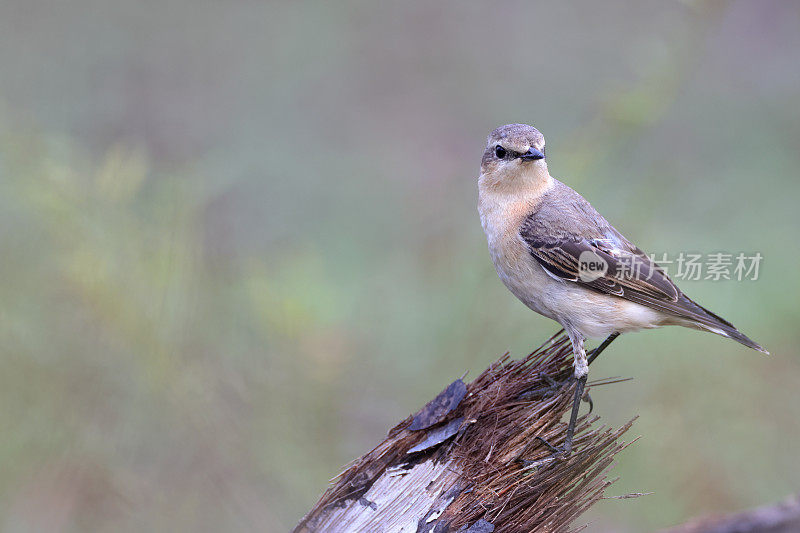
[478, 458]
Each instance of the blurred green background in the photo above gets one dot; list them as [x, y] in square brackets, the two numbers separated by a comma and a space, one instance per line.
[239, 242]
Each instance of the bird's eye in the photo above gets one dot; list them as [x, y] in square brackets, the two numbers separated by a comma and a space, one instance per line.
[499, 151]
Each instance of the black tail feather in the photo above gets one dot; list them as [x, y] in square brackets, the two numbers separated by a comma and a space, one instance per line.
[716, 324]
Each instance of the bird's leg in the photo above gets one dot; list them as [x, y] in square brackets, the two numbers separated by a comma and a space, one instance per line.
[581, 372]
[592, 356]
[573, 417]
[565, 449]
[580, 375]
[603, 345]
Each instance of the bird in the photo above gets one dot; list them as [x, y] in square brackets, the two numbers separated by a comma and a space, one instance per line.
[563, 260]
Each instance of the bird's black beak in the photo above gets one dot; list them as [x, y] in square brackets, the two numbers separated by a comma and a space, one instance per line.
[532, 155]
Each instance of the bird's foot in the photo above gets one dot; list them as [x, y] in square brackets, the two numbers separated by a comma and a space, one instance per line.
[550, 387]
[588, 399]
[561, 452]
[557, 453]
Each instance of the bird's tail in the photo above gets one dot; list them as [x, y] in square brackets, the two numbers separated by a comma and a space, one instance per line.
[716, 324]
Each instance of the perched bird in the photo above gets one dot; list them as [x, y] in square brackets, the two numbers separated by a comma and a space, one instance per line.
[562, 259]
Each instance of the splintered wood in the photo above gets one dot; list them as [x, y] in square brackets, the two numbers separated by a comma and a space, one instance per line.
[477, 459]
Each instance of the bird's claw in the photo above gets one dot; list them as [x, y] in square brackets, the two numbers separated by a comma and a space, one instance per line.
[551, 387]
[588, 399]
[556, 453]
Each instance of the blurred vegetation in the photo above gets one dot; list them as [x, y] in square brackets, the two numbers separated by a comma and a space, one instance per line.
[240, 242]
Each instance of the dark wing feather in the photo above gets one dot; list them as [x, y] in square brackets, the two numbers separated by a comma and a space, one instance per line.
[651, 287]
[629, 275]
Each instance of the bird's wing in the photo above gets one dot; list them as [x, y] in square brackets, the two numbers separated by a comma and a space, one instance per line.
[564, 226]
[625, 271]
[630, 275]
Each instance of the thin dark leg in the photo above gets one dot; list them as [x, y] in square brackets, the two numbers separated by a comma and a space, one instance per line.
[593, 356]
[576, 402]
[573, 418]
[603, 345]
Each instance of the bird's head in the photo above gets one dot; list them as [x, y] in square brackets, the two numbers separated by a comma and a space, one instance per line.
[514, 160]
